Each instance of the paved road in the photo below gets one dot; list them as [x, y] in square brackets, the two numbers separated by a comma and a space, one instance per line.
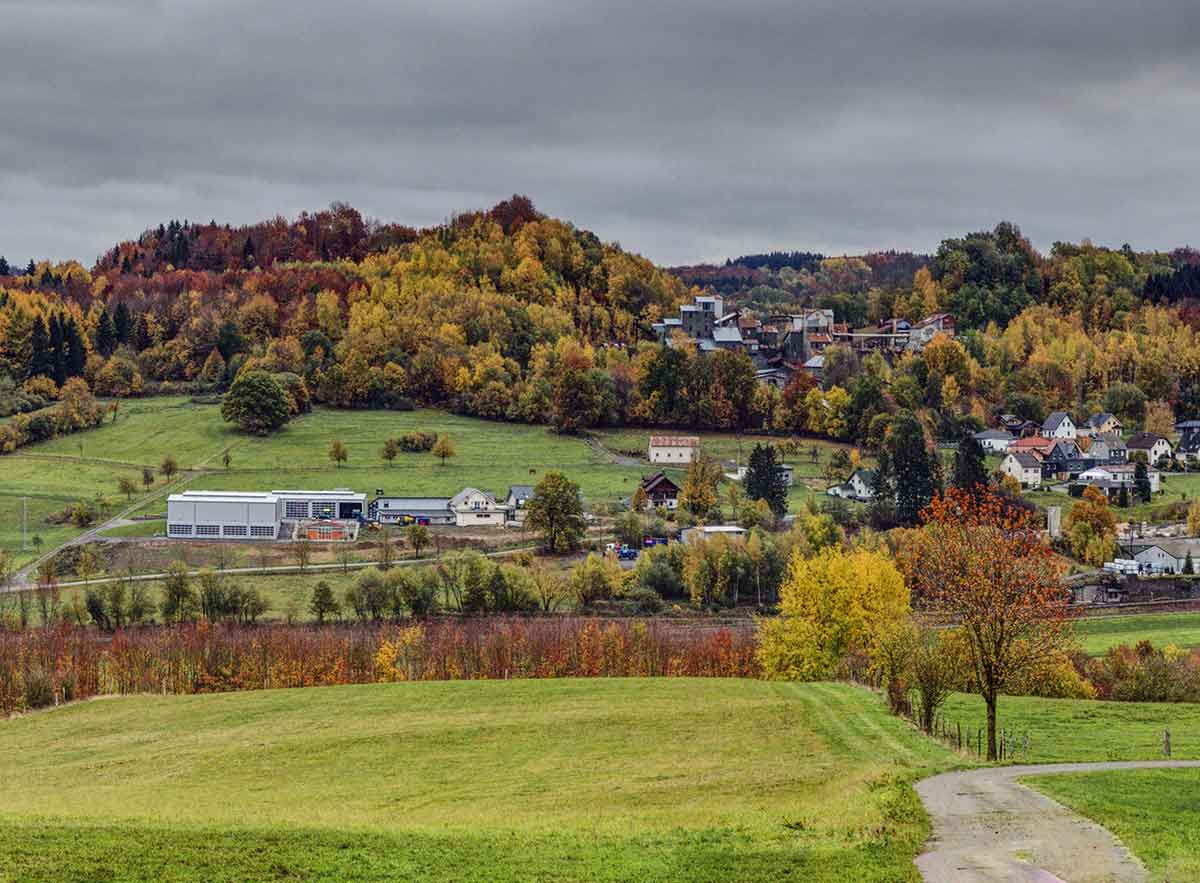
[987, 827]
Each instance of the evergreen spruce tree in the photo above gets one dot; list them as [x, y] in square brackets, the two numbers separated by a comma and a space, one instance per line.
[1141, 481]
[76, 356]
[1123, 497]
[5, 269]
[56, 352]
[765, 479]
[106, 335]
[970, 472]
[122, 323]
[912, 467]
[39, 350]
[31, 269]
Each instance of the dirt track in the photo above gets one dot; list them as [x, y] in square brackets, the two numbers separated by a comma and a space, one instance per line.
[987, 827]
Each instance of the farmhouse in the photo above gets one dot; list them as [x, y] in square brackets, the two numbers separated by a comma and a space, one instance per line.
[473, 507]
[1188, 449]
[994, 441]
[673, 448]
[660, 491]
[1153, 445]
[244, 515]
[857, 487]
[1025, 467]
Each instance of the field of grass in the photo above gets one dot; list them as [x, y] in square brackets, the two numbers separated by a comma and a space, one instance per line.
[1068, 730]
[1154, 812]
[610, 780]
[1098, 634]
[1176, 487]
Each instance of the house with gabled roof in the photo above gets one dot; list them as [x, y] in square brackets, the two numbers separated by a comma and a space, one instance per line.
[1101, 422]
[1024, 467]
[1059, 425]
[1153, 445]
[660, 491]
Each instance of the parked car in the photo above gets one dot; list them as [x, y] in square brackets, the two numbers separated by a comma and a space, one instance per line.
[627, 553]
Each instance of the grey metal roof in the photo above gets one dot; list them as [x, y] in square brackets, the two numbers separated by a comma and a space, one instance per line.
[422, 503]
[520, 490]
[994, 434]
[727, 335]
[1055, 420]
[1026, 459]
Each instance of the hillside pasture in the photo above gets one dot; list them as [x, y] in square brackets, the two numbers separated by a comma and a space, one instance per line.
[610, 780]
[1099, 633]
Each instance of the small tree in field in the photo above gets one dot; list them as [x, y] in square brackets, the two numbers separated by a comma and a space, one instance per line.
[387, 551]
[127, 486]
[444, 448]
[418, 537]
[556, 511]
[338, 453]
[86, 564]
[389, 451]
[303, 552]
[168, 467]
[323, 603]
[981, 561]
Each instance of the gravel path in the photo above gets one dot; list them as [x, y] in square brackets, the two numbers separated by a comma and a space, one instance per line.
[988, 827]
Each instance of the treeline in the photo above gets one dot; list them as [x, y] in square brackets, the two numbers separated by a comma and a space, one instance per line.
[43, 667]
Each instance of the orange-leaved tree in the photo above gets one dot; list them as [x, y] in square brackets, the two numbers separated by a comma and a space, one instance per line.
[981, 561]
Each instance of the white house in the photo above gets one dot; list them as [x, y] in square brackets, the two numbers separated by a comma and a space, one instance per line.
[1059, 425]
[673, 449]
[1122, 473]
[475, 508]
[1024, 467]
[994, 441]
[1153, 445]
[856, 487]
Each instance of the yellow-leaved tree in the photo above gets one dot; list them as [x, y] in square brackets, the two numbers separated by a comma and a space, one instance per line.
[831, 605]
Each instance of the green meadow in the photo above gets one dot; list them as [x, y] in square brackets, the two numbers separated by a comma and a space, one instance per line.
[560, 780]
[1098, 634]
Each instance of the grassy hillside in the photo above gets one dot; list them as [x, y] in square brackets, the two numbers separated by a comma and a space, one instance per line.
[535, 780]
[1098, 634]
[1063, 730]
[1153, 812]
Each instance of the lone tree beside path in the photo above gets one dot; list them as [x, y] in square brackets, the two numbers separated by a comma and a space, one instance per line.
[981, 561]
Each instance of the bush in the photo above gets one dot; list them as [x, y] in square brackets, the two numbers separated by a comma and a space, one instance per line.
[643, 601]
[39, 688]
[417, 442]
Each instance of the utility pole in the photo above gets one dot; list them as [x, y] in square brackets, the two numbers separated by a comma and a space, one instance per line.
[24, 523]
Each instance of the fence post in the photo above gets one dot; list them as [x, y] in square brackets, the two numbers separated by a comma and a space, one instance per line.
[979, 741]
[1167, 743]
[959, 727]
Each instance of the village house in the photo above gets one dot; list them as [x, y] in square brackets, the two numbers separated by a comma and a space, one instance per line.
[1059, 425]
[673, 449]
[1024, 467]
[1107, 447]
[518, 496]
[994, 441]
[857, 487]
[1188, 449]
[1101, 422]
[660, 491]
[1018, 426]
[475, 508]
[1118, 475]
[1153, 445]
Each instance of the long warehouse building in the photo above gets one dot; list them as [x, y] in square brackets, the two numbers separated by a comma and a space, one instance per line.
[255, 515]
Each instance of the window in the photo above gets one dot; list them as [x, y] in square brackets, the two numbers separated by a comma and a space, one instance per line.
[296, 508]
[235, 530]
[322, 510]
[262, 530]
[208, 530]
[179, 530]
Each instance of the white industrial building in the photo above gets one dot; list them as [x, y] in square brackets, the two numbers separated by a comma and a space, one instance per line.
[676, 449]
[256, 515]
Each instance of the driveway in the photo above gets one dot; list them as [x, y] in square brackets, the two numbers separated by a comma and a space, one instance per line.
[988, 827]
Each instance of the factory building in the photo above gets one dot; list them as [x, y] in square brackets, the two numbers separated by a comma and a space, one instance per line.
[241, 515]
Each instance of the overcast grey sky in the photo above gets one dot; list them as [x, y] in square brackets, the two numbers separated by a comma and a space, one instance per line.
[685, 130]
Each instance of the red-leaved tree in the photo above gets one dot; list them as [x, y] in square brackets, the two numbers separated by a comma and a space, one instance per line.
[982, 562]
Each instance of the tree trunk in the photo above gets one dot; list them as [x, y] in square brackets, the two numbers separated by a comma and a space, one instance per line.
[990, 700]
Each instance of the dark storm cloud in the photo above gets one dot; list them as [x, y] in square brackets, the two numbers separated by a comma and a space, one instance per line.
[684, 130]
